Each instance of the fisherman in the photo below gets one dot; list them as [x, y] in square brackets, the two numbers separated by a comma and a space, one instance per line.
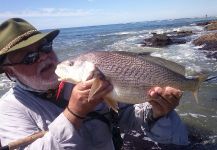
[35, 103]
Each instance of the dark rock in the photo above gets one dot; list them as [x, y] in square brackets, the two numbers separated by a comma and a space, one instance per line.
[132, 142]
[162, 40]
[158, 40]
[212, 55]
[209, 41]
[180, 34]
[178, 41]
[211, 46]
[205, 23]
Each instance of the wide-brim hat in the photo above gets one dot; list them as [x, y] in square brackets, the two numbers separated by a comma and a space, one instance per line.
[16, 33]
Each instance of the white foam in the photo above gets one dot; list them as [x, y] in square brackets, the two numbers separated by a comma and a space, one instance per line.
[189, 28]
[193, 115]
[118, 33]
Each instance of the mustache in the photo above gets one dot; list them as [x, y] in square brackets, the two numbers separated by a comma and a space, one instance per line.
[45, 64]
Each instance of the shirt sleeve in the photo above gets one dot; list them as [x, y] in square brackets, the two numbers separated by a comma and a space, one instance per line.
[61, 135]
[16, 124]
[168, 129]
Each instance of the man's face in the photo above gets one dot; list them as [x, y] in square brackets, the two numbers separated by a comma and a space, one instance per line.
[39, 75]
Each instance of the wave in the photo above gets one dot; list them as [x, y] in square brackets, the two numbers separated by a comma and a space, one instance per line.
[193, 115]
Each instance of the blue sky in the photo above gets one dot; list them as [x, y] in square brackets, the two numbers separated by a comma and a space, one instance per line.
[46, 14]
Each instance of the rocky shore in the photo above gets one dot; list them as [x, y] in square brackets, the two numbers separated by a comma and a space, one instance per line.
[207, 42]
[136, 140]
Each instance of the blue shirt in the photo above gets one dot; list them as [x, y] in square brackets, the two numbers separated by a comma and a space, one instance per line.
[23, 113]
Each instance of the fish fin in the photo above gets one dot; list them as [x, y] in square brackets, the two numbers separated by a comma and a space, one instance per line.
[94, 88]
[166, 63]
[140, 54]
[195, 93]
[201, 78]
[111, 103]
[126, 53]
[157, 60]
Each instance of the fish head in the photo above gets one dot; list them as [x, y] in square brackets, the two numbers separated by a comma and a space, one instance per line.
[74, 71]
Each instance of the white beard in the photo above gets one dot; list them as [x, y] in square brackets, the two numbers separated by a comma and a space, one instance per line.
[37, 85]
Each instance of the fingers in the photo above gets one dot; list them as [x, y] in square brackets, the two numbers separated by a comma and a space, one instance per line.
[85, 87]
[157, 109]
[168, 94]
[163, 100]
[79, 102]
[160, 107]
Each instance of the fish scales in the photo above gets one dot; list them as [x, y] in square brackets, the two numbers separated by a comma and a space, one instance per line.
[133, 70]
[132, 76]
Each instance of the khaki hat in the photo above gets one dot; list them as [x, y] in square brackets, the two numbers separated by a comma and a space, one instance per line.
[16, 33]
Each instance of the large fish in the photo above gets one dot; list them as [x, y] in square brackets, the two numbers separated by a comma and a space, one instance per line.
[131, 75]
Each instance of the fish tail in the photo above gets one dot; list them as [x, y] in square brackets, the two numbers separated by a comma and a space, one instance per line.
[195, 94]
[200, 79]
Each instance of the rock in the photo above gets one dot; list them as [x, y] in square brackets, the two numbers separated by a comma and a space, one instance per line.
[209, 42]
[212, 55]
[209, 25]
[180, 34]
[136, 140]
[206, 39]
[205, 23]
[157, 40]
[202, 23]
[212, 46]
[161, 40]
[212, 26]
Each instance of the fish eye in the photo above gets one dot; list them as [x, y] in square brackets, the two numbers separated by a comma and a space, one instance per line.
[68, 63]
[71, 63]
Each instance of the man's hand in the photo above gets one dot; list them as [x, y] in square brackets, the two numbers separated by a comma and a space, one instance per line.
[164, 100]
[79, 97]
[79, 103]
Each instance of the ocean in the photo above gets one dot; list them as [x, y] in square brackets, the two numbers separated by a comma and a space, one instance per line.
[201, 118]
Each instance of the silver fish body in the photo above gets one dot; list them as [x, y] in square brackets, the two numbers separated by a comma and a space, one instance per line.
[131, 75]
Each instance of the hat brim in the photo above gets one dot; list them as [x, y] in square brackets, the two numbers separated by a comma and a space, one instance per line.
[31, 40]
[34, 39]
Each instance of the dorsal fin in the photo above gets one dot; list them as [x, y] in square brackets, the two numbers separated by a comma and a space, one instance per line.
[126, 53]
[157, 60]
[166, 63]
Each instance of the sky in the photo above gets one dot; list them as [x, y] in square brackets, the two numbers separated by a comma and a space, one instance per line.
[50, 14]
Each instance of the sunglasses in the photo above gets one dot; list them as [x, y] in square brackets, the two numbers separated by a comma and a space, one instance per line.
[32, 57]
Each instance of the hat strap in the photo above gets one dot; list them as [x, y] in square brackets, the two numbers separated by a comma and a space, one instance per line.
[19, 39]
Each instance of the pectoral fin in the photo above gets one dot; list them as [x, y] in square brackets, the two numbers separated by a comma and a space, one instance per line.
[94, 88]
[111, 103]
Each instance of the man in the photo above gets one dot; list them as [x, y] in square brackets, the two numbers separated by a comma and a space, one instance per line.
[28, 59]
